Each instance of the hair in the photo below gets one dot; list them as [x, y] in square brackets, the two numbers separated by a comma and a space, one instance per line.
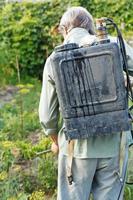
[76, 17]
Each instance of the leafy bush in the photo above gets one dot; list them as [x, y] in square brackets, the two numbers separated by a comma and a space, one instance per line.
[26, 31]
[119, 11]
[30, 30]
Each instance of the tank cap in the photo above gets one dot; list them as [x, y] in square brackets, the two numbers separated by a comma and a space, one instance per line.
[66, 47]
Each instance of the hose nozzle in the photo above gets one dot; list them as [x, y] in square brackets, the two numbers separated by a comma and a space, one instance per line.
[101, 28]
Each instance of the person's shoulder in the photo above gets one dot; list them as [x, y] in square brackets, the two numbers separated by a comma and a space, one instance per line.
[88, 40]
[113, 39]
[47, 65]
[48, 60]
[48, 68]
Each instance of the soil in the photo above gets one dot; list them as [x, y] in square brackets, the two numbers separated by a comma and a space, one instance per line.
[6, 94]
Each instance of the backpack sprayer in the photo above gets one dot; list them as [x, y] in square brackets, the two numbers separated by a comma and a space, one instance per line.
[81, 97]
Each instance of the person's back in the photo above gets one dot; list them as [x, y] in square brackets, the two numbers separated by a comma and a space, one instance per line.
[95, 165]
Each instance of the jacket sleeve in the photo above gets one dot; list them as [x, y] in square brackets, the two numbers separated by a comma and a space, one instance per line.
[129, 51]
[48, 106]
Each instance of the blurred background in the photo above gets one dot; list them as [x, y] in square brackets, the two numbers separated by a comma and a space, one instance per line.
[28, 34]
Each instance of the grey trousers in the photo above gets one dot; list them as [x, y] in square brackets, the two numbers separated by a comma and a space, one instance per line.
[99, 176]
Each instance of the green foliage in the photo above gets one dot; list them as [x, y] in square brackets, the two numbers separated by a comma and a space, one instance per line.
[20, 115]
[47, 173]
[128, 192]
[25, 31]
[28, 151]
[120, 11]
[8, 188]
[37, 195]
[23, 172]
[6, 160]
[19, 161]
[6, 72]
[28, 31]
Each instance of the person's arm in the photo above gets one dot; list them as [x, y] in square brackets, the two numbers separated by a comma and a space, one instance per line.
[49, 106]
[125, 78]
[129, 52]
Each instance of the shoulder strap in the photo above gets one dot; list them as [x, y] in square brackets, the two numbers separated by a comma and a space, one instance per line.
[69, 161]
